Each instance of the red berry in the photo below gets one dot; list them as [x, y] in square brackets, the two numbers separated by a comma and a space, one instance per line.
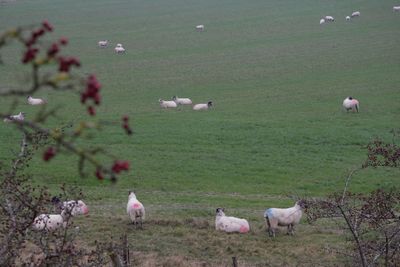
[49, 154]
[91, 111]
[47, 26]
[125, 118]
[63, 41]
[99, 174]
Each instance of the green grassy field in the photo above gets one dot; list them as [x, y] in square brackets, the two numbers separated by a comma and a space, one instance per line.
[277, 79]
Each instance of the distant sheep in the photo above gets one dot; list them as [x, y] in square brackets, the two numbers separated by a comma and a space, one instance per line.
[329, 18]
[347, 17]
[75, 207]
[103, 43]
[275, 217]
[351, 104]
[322, 21]
[19, 117]
[135, 210]
[36, 101]
[202, 106]
[355, 14]
[119, 49]
[200, 28]
[230, 224]
[396, 8]
[182, 101]
[167, 104]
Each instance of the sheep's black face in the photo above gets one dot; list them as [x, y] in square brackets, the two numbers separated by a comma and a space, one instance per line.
[302, 203]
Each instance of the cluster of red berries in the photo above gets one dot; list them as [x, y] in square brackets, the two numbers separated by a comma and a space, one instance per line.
[31, 51]
[92, 91]
[125, 125]
[117, 167]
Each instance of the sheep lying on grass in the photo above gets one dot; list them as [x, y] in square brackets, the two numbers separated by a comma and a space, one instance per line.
[351, 104]
[355, 14]
[76, 207]
[167, 104]
[396, 8]
[135, 210]
[275, 217]
[230, 224]
[103, 43]
[119, 49]
[36, 101]
[19, 117]
[202, 106]
[329, 18]
[182, 101]
[200, 28]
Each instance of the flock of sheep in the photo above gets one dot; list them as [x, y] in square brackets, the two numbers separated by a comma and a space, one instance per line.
[176, 101]
[348, 18]
[274, 217]
[21, 116]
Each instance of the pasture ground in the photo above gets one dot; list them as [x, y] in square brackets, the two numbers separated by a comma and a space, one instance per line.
[277, 79]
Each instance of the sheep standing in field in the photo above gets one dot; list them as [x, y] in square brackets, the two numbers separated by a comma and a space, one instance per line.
[347, 18]
[119, 49]
[230, 224]
[19, 117]
[200, 28]
[135, 210]
[322, 21]
[202, 106]
[182, 101]
[275, 217]
[167, 104]
[329, 18]
[351, 104]
[355, 14]
[36, 101]
[103, 43]
[51, 222]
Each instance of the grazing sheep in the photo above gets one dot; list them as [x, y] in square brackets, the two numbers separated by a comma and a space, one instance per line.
[351, 104]
[329, 18]
[322, 21]
[135, 210]
[119, 49]
[19, 117]
[284, 217]
[200, 28]
[202, 106]
[230, 224]
[103, 43]
[36, 101]
[396, 8]
[355, 14]
[347, 17]
[167, 104]
[182, 101]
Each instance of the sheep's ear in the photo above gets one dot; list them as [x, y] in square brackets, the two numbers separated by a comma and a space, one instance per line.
[129, 193]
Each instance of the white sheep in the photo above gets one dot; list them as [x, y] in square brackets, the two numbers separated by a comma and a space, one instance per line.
[75, 207]
[200, 28]
[167, 104]
[36, 101]
[322, 21]
[284, 217]
[182, 101]
[19, 117]
[51, 222]
[119, 49]
[135, 210]
[355, 14]
[396, 8]
[329, 18]
[351, 104]
[347, 17]
[103, 43]
[202, 106]
[230, 224]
